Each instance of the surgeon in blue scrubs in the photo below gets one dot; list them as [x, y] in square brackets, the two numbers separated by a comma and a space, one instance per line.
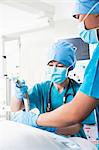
[49, 95]
[87, 98]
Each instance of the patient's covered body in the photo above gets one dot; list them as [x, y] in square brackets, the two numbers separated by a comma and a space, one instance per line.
[15, 136]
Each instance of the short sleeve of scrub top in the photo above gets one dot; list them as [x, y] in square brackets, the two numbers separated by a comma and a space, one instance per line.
[90, 85]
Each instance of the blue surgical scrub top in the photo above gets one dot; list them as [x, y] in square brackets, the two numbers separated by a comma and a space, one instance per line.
[39, 95]
[90, 85]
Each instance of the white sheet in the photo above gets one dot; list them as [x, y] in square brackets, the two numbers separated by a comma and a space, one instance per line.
[15, 136]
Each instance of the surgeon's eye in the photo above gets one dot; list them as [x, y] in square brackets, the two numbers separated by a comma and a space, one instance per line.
[60, 65]
[50, 64]
[77, 16]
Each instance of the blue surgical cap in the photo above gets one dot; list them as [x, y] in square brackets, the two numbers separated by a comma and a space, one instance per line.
[86, 6]
[63, 52]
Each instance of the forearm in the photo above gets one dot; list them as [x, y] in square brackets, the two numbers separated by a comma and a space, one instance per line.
[68, 114]
[70, 130]
[57, 117]
[16, 104]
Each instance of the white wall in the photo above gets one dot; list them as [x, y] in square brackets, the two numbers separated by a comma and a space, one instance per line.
[34, 45]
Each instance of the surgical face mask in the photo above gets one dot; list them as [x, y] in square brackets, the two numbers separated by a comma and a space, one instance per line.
[57, 74]
[88, 36]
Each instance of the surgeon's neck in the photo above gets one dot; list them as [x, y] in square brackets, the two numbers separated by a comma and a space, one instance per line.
[60, 87]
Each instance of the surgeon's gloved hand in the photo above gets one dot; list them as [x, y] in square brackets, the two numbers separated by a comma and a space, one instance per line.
[20, 90]
[30, 118]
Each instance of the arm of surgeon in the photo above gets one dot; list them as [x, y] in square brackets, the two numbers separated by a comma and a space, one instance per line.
[68, 114]
[16, 104]
[70, 130]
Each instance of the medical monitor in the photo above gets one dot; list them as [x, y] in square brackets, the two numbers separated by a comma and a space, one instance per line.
[82, 48]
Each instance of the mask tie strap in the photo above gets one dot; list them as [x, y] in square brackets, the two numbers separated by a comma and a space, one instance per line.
[90, 11]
